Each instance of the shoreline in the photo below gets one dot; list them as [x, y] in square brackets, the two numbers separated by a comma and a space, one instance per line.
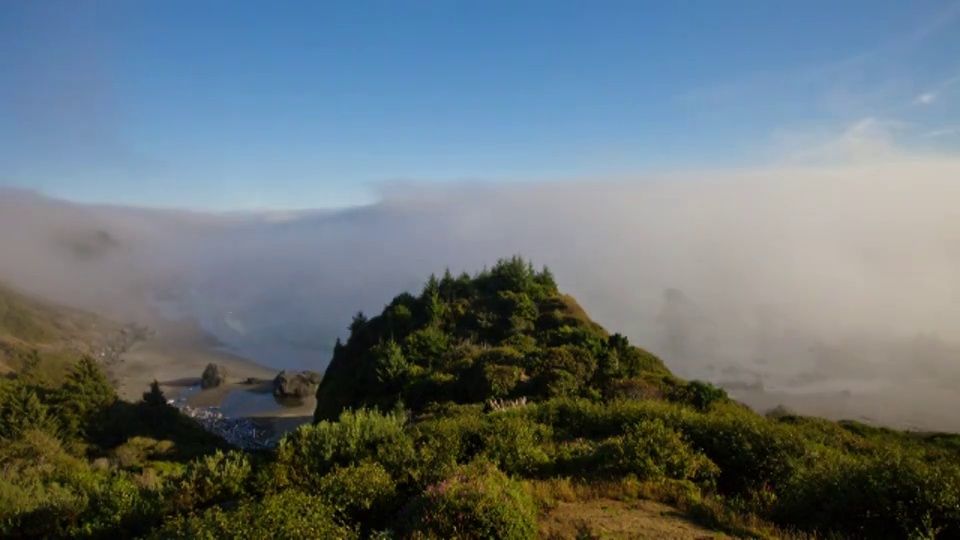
[178, 350]
[175, 355]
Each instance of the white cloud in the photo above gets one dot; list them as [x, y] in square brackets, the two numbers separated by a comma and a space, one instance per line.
[951, 131]
[863, 140]
[925, 99]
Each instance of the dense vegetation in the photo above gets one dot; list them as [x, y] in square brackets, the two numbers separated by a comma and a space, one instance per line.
[408, 444]
[503, 334]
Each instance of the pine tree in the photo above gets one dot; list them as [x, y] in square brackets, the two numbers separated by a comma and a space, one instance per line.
[154, 397]
[21, 410]
[85, 394]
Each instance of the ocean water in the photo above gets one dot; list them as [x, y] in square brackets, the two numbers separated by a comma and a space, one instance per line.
[241, 402]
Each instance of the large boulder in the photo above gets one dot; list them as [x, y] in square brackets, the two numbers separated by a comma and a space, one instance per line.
[297, 385]
[213, 376]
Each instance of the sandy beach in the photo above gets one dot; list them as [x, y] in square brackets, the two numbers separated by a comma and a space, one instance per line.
[176, 355]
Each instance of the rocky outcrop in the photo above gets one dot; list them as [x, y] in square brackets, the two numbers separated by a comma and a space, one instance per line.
[297, 385]
[213, 376]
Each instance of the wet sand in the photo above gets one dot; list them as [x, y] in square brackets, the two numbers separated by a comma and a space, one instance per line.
[176, 355]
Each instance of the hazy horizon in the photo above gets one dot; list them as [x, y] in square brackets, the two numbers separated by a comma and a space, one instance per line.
[837, 275]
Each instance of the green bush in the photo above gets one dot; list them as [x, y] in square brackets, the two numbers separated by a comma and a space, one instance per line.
[499, 380]
[515, 443]
[893, 494]
[288, 514]
[312, 451]
[211, 479]
[447, 441]
[576, 457]
[45, 492]
[364, 492]
[138, 450]
[573, 418]
[479, 501]
[652, 451]
[753, 453]
[701, 395]
[117, 508]
[627, 389]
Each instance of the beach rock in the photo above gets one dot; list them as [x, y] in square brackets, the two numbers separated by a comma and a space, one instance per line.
[298, 385]
[214, 375]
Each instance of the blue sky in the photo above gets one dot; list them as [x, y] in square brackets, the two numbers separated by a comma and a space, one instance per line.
[225, 105]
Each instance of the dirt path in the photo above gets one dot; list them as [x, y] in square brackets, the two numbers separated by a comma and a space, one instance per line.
[605, 518]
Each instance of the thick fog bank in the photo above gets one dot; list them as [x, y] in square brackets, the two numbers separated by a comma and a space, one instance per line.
[790, 280]
[801, 275]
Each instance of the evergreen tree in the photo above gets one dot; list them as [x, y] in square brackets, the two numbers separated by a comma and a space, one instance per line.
[85, 394]
[21, 410]
[154, 397]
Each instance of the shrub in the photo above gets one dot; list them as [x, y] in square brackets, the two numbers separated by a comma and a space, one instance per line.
[515, 443]
[583, 418]
[701, 395]
[312, 451]
[288, 514]
[479, 501]
[651, 451]
[428, 388]
[499, 380]
[632, 389]
[754, 454]
[47, 493]
[364, 492]
[890, 495]
[447, 441]
[137, 450]
[118, 508]
[575, 457]
[211, 479]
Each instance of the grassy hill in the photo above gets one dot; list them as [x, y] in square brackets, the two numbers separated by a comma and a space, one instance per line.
[31, 327]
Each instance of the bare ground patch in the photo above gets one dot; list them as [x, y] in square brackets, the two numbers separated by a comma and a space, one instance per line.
[607, 518]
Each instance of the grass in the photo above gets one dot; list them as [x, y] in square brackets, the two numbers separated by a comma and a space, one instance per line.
[573, 314]
[629, 508]
[58, 334]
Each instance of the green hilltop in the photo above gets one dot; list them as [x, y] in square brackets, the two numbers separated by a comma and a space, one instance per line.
[505, 333]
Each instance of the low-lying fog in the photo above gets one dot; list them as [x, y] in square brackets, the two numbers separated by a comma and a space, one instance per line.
[816, 280]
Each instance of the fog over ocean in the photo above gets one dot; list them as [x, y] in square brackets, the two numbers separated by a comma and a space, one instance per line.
[796, 280]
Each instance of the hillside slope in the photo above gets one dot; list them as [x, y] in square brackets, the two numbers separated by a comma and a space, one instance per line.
[32, 328]
[506, 333]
